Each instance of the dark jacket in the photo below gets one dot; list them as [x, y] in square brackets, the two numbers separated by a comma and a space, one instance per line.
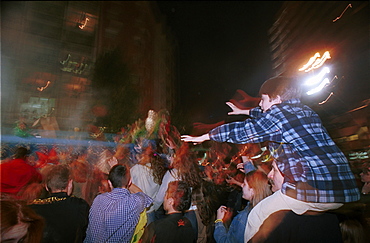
[174, 228]
[66, 217]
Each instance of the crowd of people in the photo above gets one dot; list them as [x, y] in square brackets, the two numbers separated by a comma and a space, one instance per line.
[275, 177]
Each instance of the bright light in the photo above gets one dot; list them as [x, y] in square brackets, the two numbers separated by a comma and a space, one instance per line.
[319, 62]
[318, 78]
[315, 62]
[309, 63]
[318, 88]
[81, 26]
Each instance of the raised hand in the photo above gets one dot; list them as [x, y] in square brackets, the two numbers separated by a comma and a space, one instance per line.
[195, 140]
[236, 110]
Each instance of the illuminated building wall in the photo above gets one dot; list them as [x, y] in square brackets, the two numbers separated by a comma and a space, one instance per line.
[49, 48]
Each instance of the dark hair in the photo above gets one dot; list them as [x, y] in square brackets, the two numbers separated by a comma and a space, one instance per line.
[186, 163]
[286, 87]
[352, 231]
[16, 212]
[21, 152]
[181, 194]
[79, 171]
[119, 176]
[57, 177]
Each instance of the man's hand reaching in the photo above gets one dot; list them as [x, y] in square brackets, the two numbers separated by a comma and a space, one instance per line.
[195, 140]
[236, 110]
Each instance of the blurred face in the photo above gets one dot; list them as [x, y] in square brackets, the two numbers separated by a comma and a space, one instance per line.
[248, 192]
[365, 176]
[275, 177]
[266, 102]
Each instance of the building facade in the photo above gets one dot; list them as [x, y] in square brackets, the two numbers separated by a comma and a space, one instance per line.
[49, 51]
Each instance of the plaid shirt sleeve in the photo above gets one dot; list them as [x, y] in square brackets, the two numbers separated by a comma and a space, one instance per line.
[255, 130]
[312, 164]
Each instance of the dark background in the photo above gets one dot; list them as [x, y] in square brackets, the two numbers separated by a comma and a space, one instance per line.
[223, 46]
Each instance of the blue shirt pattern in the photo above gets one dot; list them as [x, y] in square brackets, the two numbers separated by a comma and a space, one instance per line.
[114, 215]
[309, 159]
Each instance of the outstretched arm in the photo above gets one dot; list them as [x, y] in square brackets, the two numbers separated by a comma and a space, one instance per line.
[197, 139]
[236, 110]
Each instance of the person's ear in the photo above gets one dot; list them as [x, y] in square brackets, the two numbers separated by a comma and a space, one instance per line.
[110, 185]
[129, 183]
[252, 192]
[70, 187]
[277, 100]
[170, 201]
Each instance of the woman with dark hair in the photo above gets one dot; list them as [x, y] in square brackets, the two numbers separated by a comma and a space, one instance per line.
[147, 174]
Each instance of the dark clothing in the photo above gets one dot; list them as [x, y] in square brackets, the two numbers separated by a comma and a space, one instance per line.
[66, 217]
[286, 226]
[174, 228]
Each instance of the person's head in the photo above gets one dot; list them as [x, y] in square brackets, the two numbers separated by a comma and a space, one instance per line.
[79, 171]
[365, 174]
[352, 231]
[255, 187]
[19, 223]
[185, 161]
[177, 197]
[31, 192]
[278, 89]
[119, 176]
[58, 179]
[21, 153]
[146, 155]
[276, 177]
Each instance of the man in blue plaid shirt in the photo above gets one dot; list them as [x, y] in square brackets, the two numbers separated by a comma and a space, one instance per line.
[317, 176]
[114, 215]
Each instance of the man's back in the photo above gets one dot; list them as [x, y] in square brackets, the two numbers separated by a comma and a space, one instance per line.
[114, 215]
[66, 217]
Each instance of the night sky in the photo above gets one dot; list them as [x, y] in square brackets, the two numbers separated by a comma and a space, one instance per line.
[223, 46]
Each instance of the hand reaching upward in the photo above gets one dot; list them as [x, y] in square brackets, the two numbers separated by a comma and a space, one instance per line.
[236, 110]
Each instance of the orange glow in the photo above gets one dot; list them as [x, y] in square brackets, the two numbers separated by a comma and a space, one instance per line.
[323, 102]
[81, 26]
[310, 62]
[315, 62]
[42, 88]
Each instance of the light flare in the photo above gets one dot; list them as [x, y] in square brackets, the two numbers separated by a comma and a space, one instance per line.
[319, 62]
[42, 88]
[316, 79]
[310, 62]
[81, 26]
[340, 16]
[318, 88]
